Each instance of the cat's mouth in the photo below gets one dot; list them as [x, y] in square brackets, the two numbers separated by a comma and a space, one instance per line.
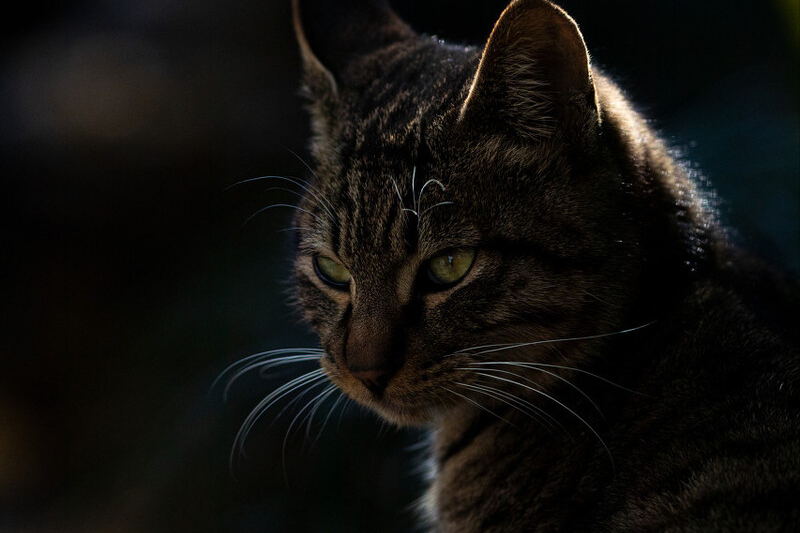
[397, 399]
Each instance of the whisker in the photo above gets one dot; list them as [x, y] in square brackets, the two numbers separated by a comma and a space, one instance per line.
[295, 401]
[327, 418]
[262, 356]
[413, 189]
[279, 361]
[310, 406]
[265, 365]
[512, 345]
[300, 195]
[341, 413]
[284, 390]
[576, 415]
[314, 174]
[422, 189]
[478, 405]
[595, 297]
[531, 364]
[435, 205]
[330, 390]
[419, 200]
[312, 402]
[303, 184]
[519, 404]
[267, 208]
[262, 406]
[548, 373]
[249, 180]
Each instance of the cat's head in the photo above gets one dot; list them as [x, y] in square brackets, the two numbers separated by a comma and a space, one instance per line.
[463, 198]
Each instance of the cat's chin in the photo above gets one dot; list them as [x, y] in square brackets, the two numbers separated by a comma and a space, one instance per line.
[406, 416]
[394, 410]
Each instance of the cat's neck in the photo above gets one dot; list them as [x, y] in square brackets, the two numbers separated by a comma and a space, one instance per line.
[475, 457]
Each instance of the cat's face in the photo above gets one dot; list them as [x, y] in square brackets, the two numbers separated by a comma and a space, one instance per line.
[438, 229]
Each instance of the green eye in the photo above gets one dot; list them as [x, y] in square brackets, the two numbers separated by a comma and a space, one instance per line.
[331, 272]
[451, 266]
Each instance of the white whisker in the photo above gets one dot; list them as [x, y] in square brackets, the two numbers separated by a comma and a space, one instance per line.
[416, 198]
[568, 382]
[314, 174]
[267, 208]
[260, 356]
[266, 365]
[286, 360]
[330, 390]
[491, 348]
[327, 418]
[541, 366]
[347, 401]
[435, 205]
[306, 379]
[478, 405]
[414, 189]
[301, 196]
[311, 407]
[523, 406]
[422, 189]
[576, 415]
[313, 403]
[303, 184]
[419, 200]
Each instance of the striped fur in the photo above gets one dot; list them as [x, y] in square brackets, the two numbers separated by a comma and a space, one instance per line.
[610, 362]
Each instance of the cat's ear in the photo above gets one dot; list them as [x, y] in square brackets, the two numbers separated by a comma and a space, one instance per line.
[332, 34]
[534, 74]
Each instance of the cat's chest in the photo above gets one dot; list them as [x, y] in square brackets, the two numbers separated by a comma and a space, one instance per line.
[507, 479]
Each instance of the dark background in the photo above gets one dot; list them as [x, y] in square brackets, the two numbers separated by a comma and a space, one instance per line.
[128, 283]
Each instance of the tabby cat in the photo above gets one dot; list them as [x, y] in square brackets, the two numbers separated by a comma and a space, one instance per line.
[497, 247]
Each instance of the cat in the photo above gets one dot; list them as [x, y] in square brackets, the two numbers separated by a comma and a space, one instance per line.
[496, 246]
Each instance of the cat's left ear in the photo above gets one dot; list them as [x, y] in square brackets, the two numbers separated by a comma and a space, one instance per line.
[534, 75]
[333, 34]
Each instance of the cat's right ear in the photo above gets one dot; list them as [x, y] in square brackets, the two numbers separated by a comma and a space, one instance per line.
[333, 34]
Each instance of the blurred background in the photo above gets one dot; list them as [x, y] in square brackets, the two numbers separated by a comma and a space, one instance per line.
[128, 281]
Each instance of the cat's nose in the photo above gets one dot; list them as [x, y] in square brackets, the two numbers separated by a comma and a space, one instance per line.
[373, 352]
[374, 379]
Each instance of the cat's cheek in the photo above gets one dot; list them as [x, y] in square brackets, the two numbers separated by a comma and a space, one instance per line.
[329, 367]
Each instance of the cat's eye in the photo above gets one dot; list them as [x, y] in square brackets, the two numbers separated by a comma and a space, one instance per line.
[450, 266]
[331, 272]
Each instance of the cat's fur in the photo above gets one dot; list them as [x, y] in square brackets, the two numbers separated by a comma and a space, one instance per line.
[598, 258]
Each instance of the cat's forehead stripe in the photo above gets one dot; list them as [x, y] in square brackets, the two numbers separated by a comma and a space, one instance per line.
[388, 130]
[375, 222]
